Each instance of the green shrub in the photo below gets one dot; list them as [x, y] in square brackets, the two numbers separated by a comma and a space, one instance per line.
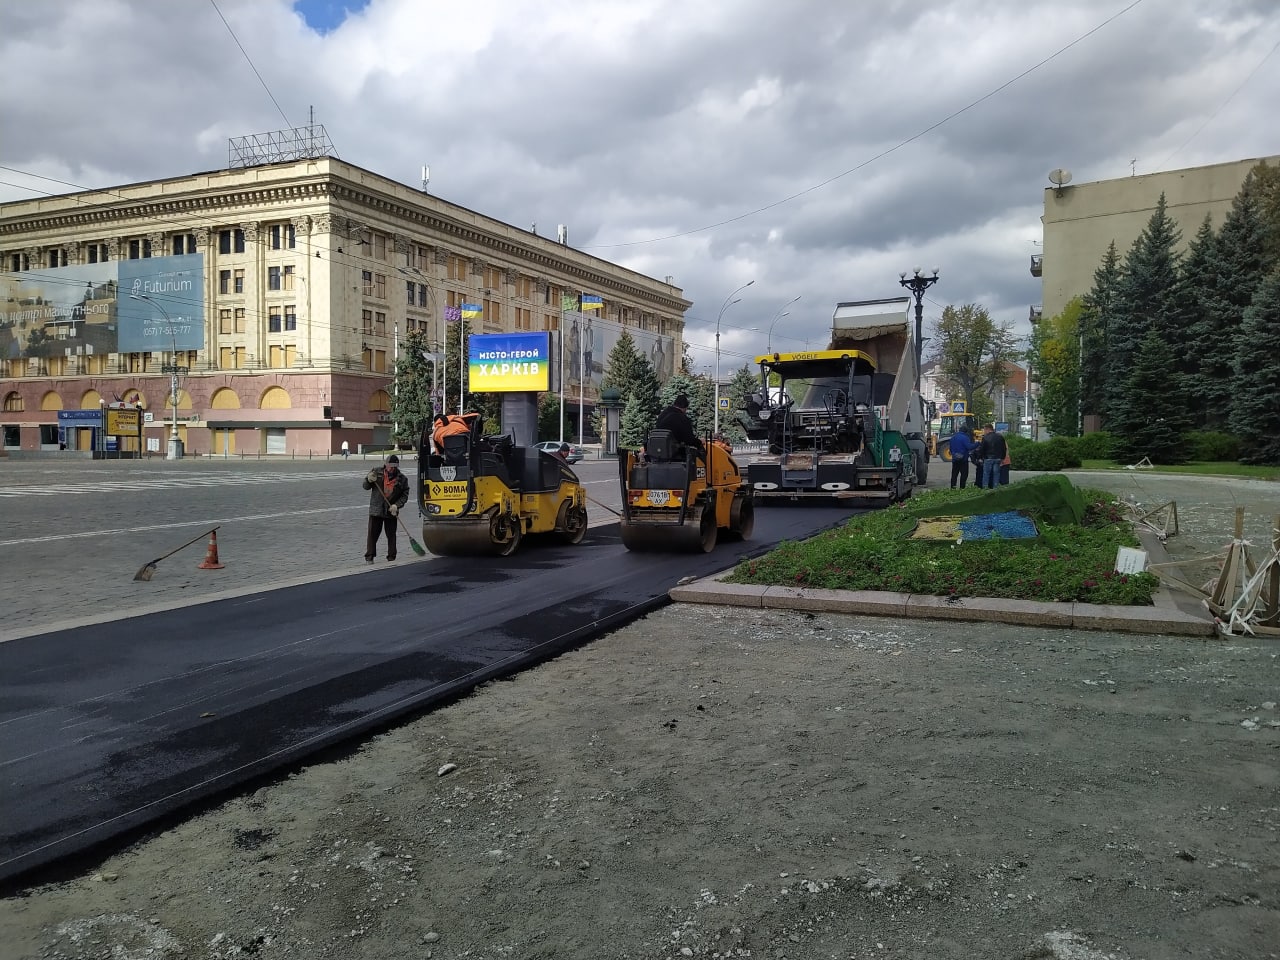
[1211, 446]
[1058, 453]
[1096, 446]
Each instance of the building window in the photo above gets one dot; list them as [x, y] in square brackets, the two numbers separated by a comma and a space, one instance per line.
[380, 246]
[184, 243]
[238, 240]
[525, 288]
[410, 324]
[283, 236]
[492, 313]
[138, 362]
[19, 262]
[231, 241]
[366, 282]
[551, 321]
[238, 277]
[457, 268]
[290, 317]
[224, 281]
[418, 256]
[135, 249]
[366, 321]
[224, 322]
[231, 358]
[96, 252]
[13, 402]
[524, 318]
[273, 278]
[380, 361]
[273, 319]
[224, 241]
[275, 356]
[240, 320]
[408, 289]
[380, 286]
[422, 294]
[288, 278]
[380, 324]
[57, 258]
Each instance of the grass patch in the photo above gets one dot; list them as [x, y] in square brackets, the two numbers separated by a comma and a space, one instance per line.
[871, 552]
[1219, 468]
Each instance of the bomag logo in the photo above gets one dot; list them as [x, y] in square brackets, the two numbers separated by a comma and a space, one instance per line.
[445, 491]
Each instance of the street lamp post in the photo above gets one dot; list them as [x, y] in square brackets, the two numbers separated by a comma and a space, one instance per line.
[727, 301]
[175, 444]
[918, 283]
[779, 316]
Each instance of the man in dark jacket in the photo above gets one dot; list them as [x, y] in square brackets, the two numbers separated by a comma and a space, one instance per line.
[992, 449]
[390, 491]
[676, 419]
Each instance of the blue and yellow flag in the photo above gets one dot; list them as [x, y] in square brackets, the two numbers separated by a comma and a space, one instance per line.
[592, 302]
[470, 310]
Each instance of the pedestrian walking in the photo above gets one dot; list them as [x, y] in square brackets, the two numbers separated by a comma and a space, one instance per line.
[346, 450]
[993, 449]
[962, 445]
[390, 491]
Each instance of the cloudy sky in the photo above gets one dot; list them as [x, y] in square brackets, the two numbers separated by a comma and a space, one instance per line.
[817, 147]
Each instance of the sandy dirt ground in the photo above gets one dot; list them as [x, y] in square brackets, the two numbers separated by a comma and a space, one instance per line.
[730, 783]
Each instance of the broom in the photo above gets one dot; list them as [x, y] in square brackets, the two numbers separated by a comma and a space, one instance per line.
[413, 544]
[148, 569]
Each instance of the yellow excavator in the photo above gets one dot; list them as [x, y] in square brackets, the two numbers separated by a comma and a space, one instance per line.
[482, 495]
[679, 499]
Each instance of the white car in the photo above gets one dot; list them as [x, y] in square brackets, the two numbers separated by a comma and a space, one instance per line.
[574, 455]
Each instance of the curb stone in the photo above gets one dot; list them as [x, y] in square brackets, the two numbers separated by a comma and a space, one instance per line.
[1168, 614]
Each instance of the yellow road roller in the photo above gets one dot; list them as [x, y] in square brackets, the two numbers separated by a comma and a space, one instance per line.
[482, 495]
[676, 498]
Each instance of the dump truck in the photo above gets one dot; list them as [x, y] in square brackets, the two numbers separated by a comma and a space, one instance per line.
[845, 423]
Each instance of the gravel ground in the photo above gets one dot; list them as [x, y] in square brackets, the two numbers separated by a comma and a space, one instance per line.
[723, 783]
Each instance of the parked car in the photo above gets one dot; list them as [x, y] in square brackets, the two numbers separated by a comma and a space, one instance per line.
[575, 455]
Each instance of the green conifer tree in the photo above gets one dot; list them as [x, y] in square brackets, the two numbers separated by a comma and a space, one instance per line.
[1148, 423]
[1099, 305]
[635, 424]
[411, 392]
[1147, 301]
[1255, 416]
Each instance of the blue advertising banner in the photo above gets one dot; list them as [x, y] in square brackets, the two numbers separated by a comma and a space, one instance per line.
[509, 362]
[118, 306]
[162, 304]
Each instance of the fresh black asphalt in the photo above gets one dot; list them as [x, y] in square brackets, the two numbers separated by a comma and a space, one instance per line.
[111, 727]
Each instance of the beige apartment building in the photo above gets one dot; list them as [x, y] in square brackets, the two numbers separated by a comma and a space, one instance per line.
[1081, 220]
[310, 273]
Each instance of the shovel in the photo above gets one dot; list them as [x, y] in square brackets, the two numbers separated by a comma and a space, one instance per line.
[148, 569]
[413, 544]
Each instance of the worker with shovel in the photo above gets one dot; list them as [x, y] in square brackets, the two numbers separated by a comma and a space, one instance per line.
[390, 492]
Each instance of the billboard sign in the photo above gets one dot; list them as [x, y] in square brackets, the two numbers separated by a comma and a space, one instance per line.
[588, 341]
[162, 304]
[87, 309]
[509, 362]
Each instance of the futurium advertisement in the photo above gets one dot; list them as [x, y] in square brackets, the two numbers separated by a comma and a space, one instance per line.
[153, 304]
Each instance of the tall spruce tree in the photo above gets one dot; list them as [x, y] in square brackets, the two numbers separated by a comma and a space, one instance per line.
[1207, 384]
[1268, 181]
[1146, 302]
[743, 383]
[635, 424]
[701, 393]
[1255, 416]
[630, 372]
[1095, 321]
[411, 397]
[1149, 425]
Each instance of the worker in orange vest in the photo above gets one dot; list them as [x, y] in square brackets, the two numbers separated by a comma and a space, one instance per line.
[451, 426]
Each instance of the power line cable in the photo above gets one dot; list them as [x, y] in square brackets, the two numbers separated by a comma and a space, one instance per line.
[250, 62]
[1222, 106]
[882, 154]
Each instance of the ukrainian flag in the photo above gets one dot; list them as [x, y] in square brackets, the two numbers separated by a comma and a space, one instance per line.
[470, 310]
[592, 302]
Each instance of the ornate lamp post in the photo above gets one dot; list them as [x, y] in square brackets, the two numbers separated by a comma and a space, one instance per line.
[918, 283]
[727, 301]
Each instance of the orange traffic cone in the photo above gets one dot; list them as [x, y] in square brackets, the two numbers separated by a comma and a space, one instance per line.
[210, 561]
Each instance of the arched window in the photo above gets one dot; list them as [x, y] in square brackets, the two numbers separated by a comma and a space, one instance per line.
[225, 399]
[13, 402]
[275, 398]
[380, 402]
[51, 401]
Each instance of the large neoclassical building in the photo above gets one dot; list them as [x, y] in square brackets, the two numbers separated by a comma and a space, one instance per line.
[282, 291]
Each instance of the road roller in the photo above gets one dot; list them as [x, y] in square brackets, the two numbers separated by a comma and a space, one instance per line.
[480, 496]
[677, 498]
